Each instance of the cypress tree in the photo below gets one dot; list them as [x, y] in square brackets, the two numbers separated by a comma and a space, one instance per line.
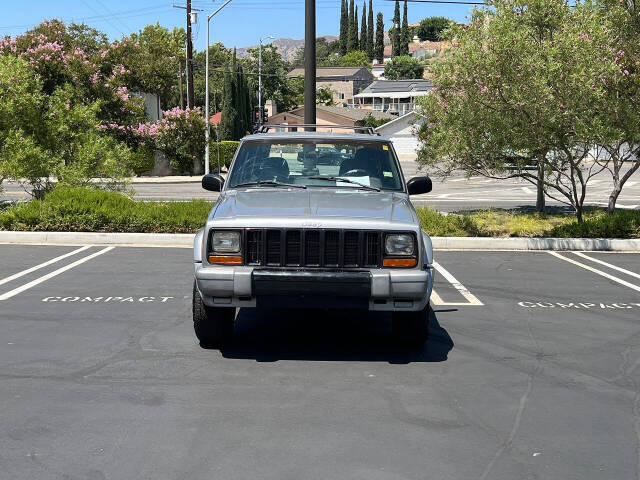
[405, 31]
[356, 42]
[363, 29]
[379, 48]
[241, 106]
[350, 45]
[227, 124]
[370, 41]
[344, 27]
[396, 37]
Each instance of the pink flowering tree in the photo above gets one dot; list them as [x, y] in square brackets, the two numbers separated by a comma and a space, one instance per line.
[147, 61]
[525, 85]
[179, 134]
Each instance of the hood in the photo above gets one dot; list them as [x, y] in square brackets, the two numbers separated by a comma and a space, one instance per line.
[317, 206]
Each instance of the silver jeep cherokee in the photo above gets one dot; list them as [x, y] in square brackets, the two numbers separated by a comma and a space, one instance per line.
[313, 220]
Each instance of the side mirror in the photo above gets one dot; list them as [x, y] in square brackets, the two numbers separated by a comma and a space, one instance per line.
[418, 185]
[212, 182]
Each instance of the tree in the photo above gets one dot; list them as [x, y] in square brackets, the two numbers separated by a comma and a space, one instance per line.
[371, 121]
[403, 68]
[151, 59]
[370, 39]
[236, 104]
[534, 96]
[274, 71]
[623, 98]
[354, 32]
[396, 37]
[219, 58]
[344, 26]
[363, 29]
[405, 35]
[432, 28]
[356, 58]
[324, 96]
[379, 48]
[352, 35]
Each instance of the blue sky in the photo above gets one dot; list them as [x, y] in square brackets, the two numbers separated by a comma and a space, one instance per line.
[240, 24]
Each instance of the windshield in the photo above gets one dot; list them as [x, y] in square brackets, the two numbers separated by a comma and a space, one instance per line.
[316, 163]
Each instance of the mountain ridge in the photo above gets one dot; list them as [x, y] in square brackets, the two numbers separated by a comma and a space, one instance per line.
[287, 47]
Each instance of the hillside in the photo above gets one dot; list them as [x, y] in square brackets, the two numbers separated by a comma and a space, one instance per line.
[287, 47]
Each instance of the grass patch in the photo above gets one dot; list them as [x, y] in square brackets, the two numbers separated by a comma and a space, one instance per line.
[93, 210]
[508, 223]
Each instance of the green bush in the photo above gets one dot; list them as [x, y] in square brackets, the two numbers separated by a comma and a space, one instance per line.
[621, 224]
[143, 159]
[506, 223]
[94, 210]
[226, 148]
[438, 225]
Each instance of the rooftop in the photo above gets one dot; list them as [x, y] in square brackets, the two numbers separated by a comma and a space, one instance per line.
[328, 71]
[396, 88]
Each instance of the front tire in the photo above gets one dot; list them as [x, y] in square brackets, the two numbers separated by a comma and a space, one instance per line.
[213, 325]
[411, 328]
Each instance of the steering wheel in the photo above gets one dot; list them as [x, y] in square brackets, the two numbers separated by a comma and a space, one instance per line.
[356, 172]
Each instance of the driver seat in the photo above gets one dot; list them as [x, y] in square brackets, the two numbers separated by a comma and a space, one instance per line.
[366, 159]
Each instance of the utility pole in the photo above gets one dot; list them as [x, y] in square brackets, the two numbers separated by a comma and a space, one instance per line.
[207, 119]
[189, 52]
[260, 117]
[190, 95]
[310, 63]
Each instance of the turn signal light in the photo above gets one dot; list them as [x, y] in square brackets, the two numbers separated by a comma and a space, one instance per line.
[225, 260]
[399, 262]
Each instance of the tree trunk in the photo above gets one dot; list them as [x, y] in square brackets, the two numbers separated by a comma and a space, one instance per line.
[579, 214]
[613, 198]
[540, 200]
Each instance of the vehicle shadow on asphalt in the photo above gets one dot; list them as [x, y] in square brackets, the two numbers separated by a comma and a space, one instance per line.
[329, 335]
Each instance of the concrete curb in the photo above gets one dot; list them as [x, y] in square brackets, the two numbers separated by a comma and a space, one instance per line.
[439, 243]
[578, 244]
[89, 238]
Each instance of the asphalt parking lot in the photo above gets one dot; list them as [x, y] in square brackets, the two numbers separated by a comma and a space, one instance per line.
[531, 372]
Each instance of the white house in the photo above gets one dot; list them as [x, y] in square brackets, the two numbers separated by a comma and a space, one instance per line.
[393, 96]
[403, 133]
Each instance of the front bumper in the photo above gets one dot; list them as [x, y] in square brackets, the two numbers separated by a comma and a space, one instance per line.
[373, 289]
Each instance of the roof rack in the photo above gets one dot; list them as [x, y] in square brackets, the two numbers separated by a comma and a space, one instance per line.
[287, 127]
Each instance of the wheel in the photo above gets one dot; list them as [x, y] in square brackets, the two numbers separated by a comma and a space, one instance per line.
[213, 325]
[411, 328]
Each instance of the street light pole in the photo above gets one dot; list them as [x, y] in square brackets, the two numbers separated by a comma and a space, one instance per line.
[310, 63]
[207, 131]
[260, 78]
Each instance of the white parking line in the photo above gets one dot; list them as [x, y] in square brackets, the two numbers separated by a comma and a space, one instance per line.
[471, 298]
[48, 276]
[613, 267]
[42, 265]
[598, 272]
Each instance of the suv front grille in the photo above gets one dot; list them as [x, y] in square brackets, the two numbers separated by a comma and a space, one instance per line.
[313, 248]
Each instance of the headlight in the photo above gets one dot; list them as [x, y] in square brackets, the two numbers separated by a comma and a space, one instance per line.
[399, 244]
[226, 242]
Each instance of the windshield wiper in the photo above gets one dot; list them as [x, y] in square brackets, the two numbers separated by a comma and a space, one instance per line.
[345, 180]
[270, 183]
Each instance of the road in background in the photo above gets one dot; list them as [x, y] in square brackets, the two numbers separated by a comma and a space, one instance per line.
[455, 193]
[532, 370]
